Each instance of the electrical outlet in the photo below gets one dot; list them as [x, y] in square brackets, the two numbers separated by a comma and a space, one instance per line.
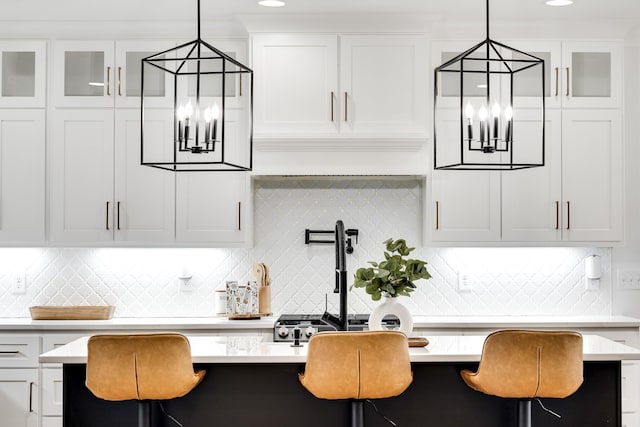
[19, 285]
[465, 282]
[185, 284]
[591, 284]
[629, 279]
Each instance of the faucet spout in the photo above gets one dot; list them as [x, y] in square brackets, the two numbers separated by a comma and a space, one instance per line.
[339, 322]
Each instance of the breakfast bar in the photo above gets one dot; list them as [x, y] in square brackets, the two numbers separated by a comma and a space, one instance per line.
[254, 383]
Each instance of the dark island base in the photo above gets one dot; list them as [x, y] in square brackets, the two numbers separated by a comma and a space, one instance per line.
[269, 395]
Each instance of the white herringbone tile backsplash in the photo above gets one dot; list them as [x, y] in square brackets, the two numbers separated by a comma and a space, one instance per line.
[143, 282]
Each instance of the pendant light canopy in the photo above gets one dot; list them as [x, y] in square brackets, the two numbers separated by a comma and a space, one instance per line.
[212, 113]
[489, 109]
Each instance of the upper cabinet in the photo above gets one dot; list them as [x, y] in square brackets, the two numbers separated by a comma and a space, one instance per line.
[577, 74]
[107, 74]
[347, 85]
[23, 74]
[22, 175]
[577, 196]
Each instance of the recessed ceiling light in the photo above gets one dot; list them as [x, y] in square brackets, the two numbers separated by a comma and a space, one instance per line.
[271, 3]
[559, 2]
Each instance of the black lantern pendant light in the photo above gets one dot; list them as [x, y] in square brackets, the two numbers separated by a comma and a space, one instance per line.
[489, 109]
[212, 111]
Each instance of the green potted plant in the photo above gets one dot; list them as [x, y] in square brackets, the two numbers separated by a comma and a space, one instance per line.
[395, 275]
[391, 278]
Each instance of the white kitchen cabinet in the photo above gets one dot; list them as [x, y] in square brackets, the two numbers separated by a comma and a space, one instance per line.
[144, 197]
[100, 191]
[465, 206]
[296, 84]
[19, 397]
[51, 392]
[532, 198]
[577, 195]
[104, 73]
[373, 86]
[19, 392]
[23, 73]
[213, 207]
[383, 85]
[22, 175]
[592, 175]
[578, 74]
[82, 175]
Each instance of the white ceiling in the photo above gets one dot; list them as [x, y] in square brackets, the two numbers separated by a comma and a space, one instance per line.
[627, 11]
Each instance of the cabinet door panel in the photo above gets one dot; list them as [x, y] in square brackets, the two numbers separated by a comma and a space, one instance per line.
[592, 175]
[52, 392]
[295, 77]
[22, 180]
[23, 72]
[82, 176]
[592, 74]
[383, 80]
[211, 207]
[158, 84]
[531, 198]
[84, 74]
[19, 397]
[144, 196]
[465, 206]
[527, 82]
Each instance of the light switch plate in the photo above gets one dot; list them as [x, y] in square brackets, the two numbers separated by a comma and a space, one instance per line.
[465, 282]
[628, 279]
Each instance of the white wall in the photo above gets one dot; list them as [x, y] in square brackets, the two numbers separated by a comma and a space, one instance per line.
[142, 282]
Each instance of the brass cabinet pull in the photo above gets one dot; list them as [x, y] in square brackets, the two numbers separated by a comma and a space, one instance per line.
[568, 215]
[437, 215]
[240, 90]
[557, 72]
[31, 396]
[567, 91]
[107, 217]
[332, 106]
[557, 215]
[108, 81]
[118, 215]
[239, 216]
[345, 107]
[119, 81]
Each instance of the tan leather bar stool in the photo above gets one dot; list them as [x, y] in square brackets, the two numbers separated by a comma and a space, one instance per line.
[525, 365]
[357, 366]
[143, 367]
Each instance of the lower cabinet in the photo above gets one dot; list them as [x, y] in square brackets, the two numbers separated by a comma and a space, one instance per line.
[19, 397]
[19, 390]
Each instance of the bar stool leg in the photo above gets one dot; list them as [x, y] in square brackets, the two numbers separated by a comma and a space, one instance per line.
[144, 413]
[524, 413]
[357, 413]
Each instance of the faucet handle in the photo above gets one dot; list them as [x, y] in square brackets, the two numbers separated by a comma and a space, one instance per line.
[352, 232]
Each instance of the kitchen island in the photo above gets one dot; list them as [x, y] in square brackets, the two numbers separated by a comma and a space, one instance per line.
[254, 383]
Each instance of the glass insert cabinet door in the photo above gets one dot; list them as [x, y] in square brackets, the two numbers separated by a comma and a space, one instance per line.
[592, 74]
[107, 74]
[22, 73]
[576, 74]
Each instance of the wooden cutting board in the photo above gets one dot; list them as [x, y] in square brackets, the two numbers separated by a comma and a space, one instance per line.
[75, 312]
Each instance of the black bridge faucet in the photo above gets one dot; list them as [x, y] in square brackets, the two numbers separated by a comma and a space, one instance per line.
[340, 322]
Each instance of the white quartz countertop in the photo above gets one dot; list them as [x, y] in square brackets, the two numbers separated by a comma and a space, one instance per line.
[251, 349]
[213, 323]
